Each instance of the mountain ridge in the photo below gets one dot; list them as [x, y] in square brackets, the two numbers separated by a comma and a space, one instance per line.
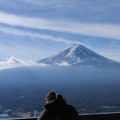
[74, 55]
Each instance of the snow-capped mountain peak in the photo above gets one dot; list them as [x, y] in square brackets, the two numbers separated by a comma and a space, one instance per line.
[73, 55]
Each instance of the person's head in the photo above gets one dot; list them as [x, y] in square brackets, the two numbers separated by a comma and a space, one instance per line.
[54, 96]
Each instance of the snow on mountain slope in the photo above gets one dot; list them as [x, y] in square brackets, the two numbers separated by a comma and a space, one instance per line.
[74, 55]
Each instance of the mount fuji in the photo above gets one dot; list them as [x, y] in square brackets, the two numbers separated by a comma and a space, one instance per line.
[76, 55]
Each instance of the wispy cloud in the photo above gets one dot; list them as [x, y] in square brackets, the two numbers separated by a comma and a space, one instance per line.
[24, 33]
[15, 62]
[53, 3]
[63, 63]
[110, 31]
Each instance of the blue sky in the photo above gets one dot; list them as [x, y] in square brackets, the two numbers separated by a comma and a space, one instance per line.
[34, 29]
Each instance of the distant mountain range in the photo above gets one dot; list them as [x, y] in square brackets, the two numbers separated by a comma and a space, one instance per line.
[76, 55]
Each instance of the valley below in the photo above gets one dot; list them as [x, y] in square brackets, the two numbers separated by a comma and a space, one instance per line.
[89, 89]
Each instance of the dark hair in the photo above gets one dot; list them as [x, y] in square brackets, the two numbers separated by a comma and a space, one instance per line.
[54, 96]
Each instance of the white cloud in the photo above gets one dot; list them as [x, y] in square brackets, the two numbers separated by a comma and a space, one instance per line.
[98, 30]
[63, 63]
[14, 62]
[52, 3]
[23, 33]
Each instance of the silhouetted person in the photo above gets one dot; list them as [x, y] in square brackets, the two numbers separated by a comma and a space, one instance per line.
[56, 108]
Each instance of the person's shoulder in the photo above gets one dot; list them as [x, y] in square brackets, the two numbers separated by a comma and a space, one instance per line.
[70, 107]
[73, 114]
